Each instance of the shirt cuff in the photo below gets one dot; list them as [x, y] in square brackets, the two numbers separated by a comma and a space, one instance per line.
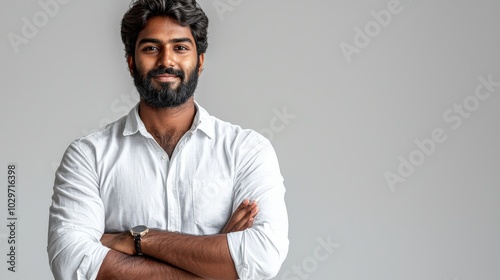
[90, 265]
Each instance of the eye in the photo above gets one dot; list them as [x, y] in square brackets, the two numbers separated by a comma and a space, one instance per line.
[181, 48]
[150, 49]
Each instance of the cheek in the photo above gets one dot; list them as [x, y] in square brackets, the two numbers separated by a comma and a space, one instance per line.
[190, 68]
[142, 70]
[144, 64]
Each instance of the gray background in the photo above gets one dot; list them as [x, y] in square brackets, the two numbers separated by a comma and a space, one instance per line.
[351, 122]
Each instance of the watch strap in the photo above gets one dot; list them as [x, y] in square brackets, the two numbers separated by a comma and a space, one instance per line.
[137, 241]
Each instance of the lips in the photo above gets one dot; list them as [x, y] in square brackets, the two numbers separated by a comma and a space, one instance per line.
[166, 77]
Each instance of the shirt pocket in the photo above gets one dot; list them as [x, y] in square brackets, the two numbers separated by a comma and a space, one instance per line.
[213, 203]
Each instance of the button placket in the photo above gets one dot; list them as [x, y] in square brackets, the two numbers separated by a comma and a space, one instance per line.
[174, 206]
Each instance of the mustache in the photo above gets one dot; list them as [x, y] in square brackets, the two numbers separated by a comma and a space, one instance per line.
[164, 70]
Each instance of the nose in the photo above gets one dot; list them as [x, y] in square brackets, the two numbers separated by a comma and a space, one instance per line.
[166, 58]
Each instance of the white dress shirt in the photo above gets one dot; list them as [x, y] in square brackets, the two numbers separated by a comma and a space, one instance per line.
[119, 177]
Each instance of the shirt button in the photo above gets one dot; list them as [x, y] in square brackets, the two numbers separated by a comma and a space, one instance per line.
[164, 157]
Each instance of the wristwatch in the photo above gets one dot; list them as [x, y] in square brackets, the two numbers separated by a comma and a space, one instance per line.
[138, 232]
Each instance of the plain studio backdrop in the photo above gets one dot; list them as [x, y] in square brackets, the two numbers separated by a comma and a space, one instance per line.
[384, 115]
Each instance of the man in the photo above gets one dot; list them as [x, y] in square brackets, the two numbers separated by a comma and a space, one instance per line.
[168, 191]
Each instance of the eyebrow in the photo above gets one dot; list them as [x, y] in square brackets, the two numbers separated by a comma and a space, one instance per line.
[172, 41]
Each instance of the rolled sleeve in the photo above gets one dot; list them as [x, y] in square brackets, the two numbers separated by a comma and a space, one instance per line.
[76, 218]
[259, 252]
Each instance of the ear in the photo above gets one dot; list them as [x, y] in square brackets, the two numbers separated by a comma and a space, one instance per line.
[201, 58]
[130, 62]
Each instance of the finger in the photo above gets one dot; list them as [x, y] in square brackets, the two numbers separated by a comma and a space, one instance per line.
[240, 225]
[242, 205]
[250, 223]
[255, 211]
[239, 215]
[242, 211]
[246, 221]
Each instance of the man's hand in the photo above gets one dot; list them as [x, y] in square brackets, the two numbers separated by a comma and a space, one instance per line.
[242, 218]
[122, 242]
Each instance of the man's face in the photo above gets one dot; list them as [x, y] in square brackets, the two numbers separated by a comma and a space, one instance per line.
[166, 65]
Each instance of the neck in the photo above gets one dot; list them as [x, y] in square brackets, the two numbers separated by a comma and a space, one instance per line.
[168, 125]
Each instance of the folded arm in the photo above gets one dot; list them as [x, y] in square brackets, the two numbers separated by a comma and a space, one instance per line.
[256, 252]
[77, 226]
[117, 265]
[184, 255]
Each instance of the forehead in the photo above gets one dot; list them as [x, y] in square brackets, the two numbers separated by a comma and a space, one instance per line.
[164, 29]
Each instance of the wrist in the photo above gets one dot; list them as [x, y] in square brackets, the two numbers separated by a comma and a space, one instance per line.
[148, 240]
[138, 233]
[154, 239]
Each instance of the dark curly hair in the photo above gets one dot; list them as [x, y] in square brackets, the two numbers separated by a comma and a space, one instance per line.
[185, 12]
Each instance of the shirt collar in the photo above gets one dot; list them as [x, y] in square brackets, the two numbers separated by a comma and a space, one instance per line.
[202, 121]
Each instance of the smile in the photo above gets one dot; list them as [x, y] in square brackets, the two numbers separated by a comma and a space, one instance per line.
[166, 78]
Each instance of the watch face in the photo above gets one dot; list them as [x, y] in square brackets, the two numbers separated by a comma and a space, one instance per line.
[138, 229]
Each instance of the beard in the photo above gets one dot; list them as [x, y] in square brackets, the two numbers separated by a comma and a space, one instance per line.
[165, 96]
